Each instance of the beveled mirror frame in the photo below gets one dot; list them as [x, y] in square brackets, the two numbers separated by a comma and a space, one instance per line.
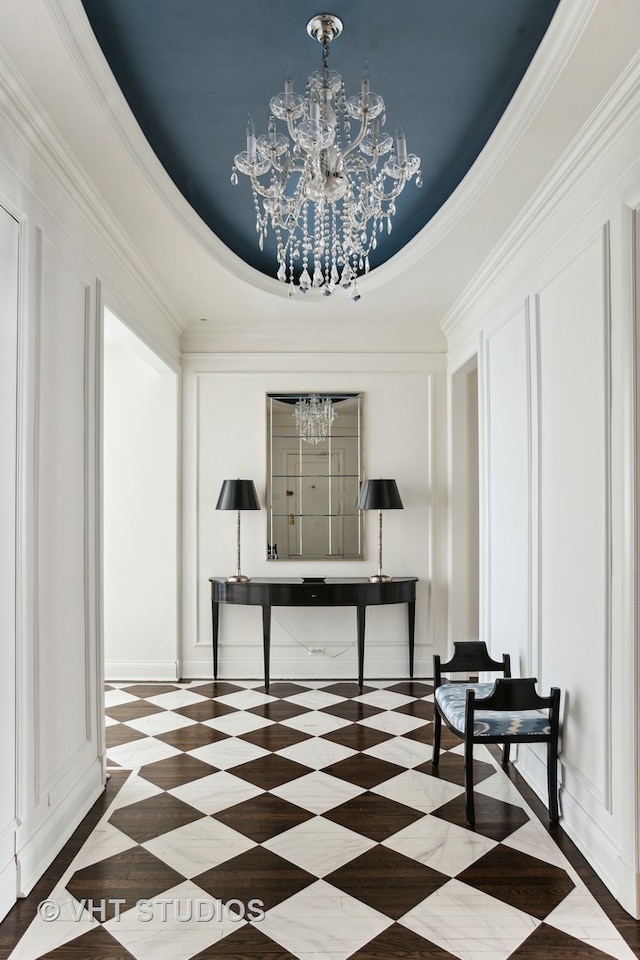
[313, 485]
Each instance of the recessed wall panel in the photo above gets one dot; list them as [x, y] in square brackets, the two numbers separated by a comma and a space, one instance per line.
[508, 536]
[61, 678]
[574, 509]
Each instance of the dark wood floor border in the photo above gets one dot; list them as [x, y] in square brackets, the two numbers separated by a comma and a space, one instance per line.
[20, 916]
[628, 928]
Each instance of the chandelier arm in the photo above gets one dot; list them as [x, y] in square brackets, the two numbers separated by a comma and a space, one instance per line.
[262, 191]
[291, 128]
[358, 140]
[382, 197]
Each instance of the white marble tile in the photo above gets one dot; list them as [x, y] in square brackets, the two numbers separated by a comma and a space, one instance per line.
[44, 936]
[198, 846]
[228, 753]
[109, 721]
[501, 788]
[237, 723]
[136, 788]
[105, 841]
[175, 699]
[160, 722]
[317, 792]
[470, 924]
[245, 699]
[401, 751]
[534, 840]
[317, 753]
[315, 722]
[581, 916]
[385, 699]
[140, 752]
[114, 697]
[168, 928]
[315, 699]
[319, 846]
[216, 792]
[418, 790]
[322, 923]
[440, 845]
[395, 723]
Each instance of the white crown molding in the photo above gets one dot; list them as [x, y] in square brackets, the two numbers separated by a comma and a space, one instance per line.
[24, 114]
[405, 364]
[563, 33]
[612, 117]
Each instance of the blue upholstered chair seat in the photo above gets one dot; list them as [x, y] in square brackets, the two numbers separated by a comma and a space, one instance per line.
[451, 698]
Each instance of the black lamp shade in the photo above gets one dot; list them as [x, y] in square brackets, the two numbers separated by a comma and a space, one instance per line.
[379, 495]
[238, 495]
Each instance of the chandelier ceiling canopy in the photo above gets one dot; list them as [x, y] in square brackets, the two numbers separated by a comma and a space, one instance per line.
[327, 186]
[192, 72]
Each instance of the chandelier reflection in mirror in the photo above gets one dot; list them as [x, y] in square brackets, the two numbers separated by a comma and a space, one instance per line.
[325, 189]
[313, 416]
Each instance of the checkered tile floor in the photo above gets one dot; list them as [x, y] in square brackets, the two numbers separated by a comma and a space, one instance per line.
[308, 823]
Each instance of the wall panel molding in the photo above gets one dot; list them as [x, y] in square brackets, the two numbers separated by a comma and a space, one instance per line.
[64, 297]
[574, 317]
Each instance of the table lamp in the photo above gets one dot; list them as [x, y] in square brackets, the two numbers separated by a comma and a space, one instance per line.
[238, 495]
[379, 495]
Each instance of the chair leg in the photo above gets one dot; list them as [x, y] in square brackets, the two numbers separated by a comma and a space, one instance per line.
[468, 783]
[506, 746]
[552, 781]
[437, 726]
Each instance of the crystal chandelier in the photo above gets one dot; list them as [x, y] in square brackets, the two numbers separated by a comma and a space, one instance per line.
[313, 417]
[323, 187]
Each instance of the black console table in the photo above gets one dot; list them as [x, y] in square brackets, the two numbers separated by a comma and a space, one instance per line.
[300, 592]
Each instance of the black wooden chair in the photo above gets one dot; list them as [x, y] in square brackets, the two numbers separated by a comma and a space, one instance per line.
[506, 711]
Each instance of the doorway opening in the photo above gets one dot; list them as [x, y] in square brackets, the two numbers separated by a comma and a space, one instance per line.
[140, 504]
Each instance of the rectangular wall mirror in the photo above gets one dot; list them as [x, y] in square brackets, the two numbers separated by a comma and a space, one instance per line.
[314, 470]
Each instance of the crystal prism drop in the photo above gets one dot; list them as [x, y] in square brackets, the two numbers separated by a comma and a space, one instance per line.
[305, 280]
[282, 273]
[234, 178]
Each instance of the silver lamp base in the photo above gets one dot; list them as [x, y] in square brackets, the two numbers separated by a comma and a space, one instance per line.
[237, 578]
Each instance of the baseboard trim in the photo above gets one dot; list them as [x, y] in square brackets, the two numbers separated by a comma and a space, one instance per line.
[122, 670]
[306, 667]
[41, 849]
[8, 887]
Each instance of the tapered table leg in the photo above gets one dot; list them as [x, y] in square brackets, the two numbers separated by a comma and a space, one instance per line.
[411, 621]
[361, 625]
[266, 640]
[215, 622]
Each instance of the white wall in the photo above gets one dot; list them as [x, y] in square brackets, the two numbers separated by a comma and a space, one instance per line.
[224, 435]
[140, 458]
[70, 256]
[551, 317]
[9, 274]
